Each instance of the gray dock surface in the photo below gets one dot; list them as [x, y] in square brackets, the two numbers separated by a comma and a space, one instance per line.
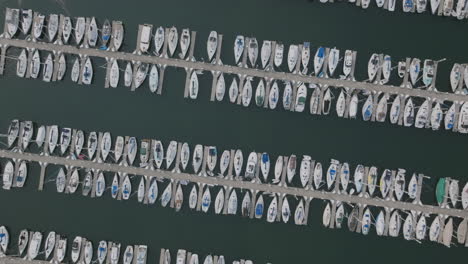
[364, 199]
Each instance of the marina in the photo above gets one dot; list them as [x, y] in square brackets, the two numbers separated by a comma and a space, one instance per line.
[392, 182]
[438, 107]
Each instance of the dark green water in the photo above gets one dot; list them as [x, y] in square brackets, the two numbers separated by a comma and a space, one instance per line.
[169, 116]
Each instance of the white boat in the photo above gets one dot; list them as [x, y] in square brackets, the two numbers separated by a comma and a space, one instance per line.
[304, 171]
[326, 103]
[62, 67]
[366, 222]
[421, 228]
[331, 173]
[119, 148]
[382, 108]
[197, 158]
[8, 174]
[52, 26]
[301, 97]
[173, 39]
[126, 188]
[80, 27]
[140, 76]
[13, 132]
[128, 75]
[238, 162]
[293, 56]
[408, 114]
[75, 73]
[115, 186]
[53, 138]
[412, 187]
[88, 252]
[87, 183]
[415, 69]
[38, 25]
[219, 201]
[279, 50]
[178, 199]
[287, 96]
[206, 200]
[22, 174]
[23, 240]
[60, 181]
[250, 169]
[365, 4]
[193, 198]
[454, 190]
[399, 184]
[73, 182]
[233, 90]
[285, 210]
[408, 5]
[141, 190]
[464, 196]
[61, 249]
[159, 40]
[265, 165]
[184, 156]
[145, 38]
[34, 245]
[448, 233]
[224, 161]
[92, 144]
[152, 191]
[247, 93]
[153, 78]
[372, 180]
[265, 53]
[66, 29]
[272, 210]
[448, 7]
[92, 33]
[36, 65]
[422, 115]
[239, 45]
[449, 119]
[341, 104]
[434, 230]
[87, 74]
[326, 217]
[193, 86]
[212, 45]
[128, 255]
[26, 20]
[367, 108]
[291, 169]
[22, 64]
[194, 259]
[394, 224]
[181, 255]
[184, 42]
[49, 244]
[260, 93]
[106, 145]
[380, 223]
[318, 175]
[408, 228]
[211, 159]
[372, 66]
[65, 139]
[144, 152]
[48, 69]
[100, 184]
[380, 3]
[252, 51]
[132, 147]
[4, 240]
[318, 61]
[106, 34]
[114, 253]
[434, 6]
[333, 59]
[395, 110]
[348, 63]
[40, 136]
[278, 169]
[463, 119]
[232, 203]
[208, 260]
[259, 207]
[273, 97]
[305, 57]
[344, 176]
[166, 195]
[299, 213]
[386, 69]
[220, 87]
[428, 72]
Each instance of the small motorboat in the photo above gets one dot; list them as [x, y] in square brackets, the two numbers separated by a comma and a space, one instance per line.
[239, 45]
[66, 29]
[260, 93]
[23, 240]
[8, 174]
[197, 158]
[291, 169]
[206, 200]
[220, 88]
[75, 73]
[173, 39]
[62, 67]
[48, 69]
[92, 33]
[193, 86]
[251, 167]
[238, 162]
[265, 53]
[132, 147]
[287, 96]
[145, 38]
[87, 73]
[212, 45]
[279, 50]
[159, 40]
[80, 28]
[252, 51]
[34, 245]
[153, 78]
[247, 93]
[233, 91]
[273, 97]
[52, 26]
[232, 203]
